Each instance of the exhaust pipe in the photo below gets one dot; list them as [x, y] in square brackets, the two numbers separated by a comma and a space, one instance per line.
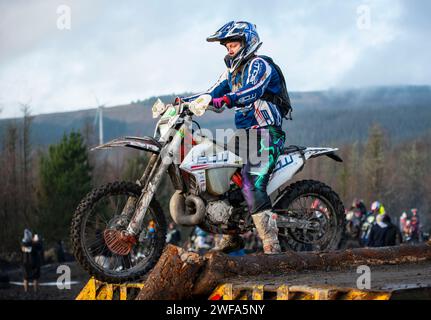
[178, 205]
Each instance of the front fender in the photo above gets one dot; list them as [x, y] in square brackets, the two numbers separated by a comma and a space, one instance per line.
[141, 143]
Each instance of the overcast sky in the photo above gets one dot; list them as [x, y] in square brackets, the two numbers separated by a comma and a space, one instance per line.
[129, 50]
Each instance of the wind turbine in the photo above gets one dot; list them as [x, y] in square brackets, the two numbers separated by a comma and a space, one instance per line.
[99, 116]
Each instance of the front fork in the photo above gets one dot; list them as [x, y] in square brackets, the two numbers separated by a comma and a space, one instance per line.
[150, 182]
[130, 206]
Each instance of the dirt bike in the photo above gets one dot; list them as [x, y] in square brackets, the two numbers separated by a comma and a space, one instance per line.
[118, 231]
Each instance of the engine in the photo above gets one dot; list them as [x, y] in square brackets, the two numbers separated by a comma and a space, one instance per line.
[219, 212]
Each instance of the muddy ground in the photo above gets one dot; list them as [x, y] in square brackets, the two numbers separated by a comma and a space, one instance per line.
[46, 292]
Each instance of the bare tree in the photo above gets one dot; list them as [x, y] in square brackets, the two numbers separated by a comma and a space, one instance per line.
[375, 163]
[26, 159]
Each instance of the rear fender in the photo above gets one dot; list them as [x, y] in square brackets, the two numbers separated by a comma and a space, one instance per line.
[310, 153]
[141, 143]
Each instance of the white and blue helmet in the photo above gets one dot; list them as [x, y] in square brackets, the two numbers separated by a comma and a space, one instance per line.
[238, 31]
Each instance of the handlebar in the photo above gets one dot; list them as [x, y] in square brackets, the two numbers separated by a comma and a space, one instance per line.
[197, 107]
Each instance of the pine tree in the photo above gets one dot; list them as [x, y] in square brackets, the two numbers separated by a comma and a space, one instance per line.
[135, 167]
[65, 177]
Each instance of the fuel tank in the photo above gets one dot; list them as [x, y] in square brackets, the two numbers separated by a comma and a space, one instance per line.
[212, 165]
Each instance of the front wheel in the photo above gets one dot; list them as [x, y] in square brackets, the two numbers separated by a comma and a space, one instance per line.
[99, 211]
[321, 207]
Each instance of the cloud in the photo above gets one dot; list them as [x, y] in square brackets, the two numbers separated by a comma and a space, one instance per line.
[397, 50]
[127, 51]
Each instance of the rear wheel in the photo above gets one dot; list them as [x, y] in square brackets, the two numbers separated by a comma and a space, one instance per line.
[100, 211]
[320, 206]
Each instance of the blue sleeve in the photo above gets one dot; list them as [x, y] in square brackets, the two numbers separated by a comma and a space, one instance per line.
[218, 90]
[258, 78]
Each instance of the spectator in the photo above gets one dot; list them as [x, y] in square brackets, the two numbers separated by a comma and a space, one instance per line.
[352, 234]
[359, 204]
[407, 231]
[31, 258]
[151, 229]
[393, 235]
[377, 208]
[384, 233]
[253, 243]
[377, 233]
[366, 228]
[37, 260]
[202, 241]
[415, 226]
[26, 257]
[403, 221]
[415, 213]
[174, 235]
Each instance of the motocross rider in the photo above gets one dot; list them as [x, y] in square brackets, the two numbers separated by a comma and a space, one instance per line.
[247, 87]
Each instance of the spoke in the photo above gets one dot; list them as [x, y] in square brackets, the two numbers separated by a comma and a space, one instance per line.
[296, 205]
[120, 206]
[103, 263]
[99, 248]
[93, 220]
[90, 244]
[125, 262]
[101, 216]
[115, 263]
[131, 262]
[111, 202]
[302, 204]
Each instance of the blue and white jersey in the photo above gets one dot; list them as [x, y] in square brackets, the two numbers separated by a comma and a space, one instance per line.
[245, 88]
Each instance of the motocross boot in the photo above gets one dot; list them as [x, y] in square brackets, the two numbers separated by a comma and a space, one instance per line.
[229, 243]
[266, 226]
